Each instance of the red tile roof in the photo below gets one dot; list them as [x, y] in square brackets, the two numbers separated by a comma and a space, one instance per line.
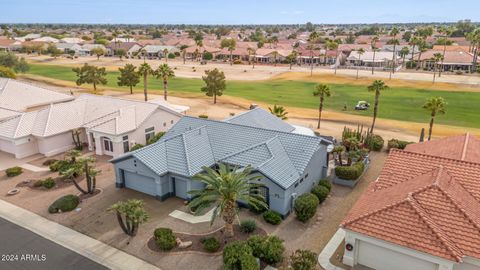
[424, 202]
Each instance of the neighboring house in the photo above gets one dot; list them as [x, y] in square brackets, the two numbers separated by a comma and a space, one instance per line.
[46, 39]
[382, 60]
[131, 48]
[162, 102]
[268, 55]
[72, 40]
[422, 212]
[156, 51]
[107, 125]
[398, 48]
[288, 164]
[86, 49]
[454, 60]
[68, 47]
[9, 45]
[28, 37]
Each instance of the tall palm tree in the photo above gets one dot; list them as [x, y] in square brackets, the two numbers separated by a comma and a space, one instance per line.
[360, 52]
[403, 53]
[252, 51]
[223, 189]
[322, 91]
[446, 31]
[374, 41]
[437, 57]
[164, 72]
[435, 105]
[333, 45]
[144, 70]
[165, 54]
[377, 86]
[413, 42]
[278, 111]
[394, 41]
[312, 40]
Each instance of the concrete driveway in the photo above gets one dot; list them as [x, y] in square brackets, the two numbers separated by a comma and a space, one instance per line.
[27, 250]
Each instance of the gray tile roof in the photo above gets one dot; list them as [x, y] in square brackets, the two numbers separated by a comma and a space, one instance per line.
[194, 142]
[260, 118]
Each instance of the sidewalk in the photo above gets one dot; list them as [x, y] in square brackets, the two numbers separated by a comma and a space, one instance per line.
[84, 245]
[327, 252]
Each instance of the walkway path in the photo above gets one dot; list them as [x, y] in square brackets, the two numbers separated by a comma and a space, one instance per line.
[86, 246]
[327, 252]
[34, 168]
[207, 217]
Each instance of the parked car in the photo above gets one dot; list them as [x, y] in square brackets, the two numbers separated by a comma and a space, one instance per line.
[362, 106]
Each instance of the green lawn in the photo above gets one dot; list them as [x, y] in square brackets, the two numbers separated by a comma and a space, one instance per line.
[396, 103]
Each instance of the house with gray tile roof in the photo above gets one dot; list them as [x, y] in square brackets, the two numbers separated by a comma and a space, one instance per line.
[289, 164]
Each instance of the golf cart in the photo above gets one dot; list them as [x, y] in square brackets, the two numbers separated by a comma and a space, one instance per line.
[362, 106]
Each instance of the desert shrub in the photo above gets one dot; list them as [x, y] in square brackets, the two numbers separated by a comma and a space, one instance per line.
[398, 144]
[6, 72]
[248, 226]
[267, 248]
[14, 171]
[59, 165]
[411, 64]
[211, 244]
[258, 209]
[171, 56]
[155, 138]
[237, 62]
[164, 238]
[48, 183]
[303, 260]
[207, 56]
[350, 172]
[374, 142]
[325, 183]
[203, 116]
[64, 204]
[49, 162]
[306, 206]
[238, 255]
[321, 192]
[272, 217]
[136, 146]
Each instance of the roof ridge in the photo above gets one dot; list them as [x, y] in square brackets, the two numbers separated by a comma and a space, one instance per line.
[48, 119]
[367, 214]
[187, 159]
[449, 244]
[438, 157]
[465, 146]
[249, 147]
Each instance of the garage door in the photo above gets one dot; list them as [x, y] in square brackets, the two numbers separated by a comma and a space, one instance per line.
[380, 258]
[140, 183]
[180, 188]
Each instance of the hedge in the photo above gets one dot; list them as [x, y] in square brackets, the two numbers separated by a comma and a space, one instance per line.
[64, 204]
[269, 248]
[321, 192]
[272, 217]
[136, 146]
[14, 171]
[325, 183]
[398, 144]
[164, 238]
[306, 206]
[350, 172]
[238, 255]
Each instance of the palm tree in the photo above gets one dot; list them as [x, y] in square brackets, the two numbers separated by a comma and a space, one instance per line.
[322, 91]
[278, 111]
[446, 33]
[145, 70]
[311, 47]
[183, 49]
[413, 42]
[165, 54]
[374, 41]
[360, 52]
[435, 105]
[291, 58]
[130, 215]
[333, 45]
[377, 86]
[437, 57]
[275, 55]
[223, 189]
[403, 53]
[395, 42]
[164, 72]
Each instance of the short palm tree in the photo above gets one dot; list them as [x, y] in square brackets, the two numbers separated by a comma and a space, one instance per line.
[403, 53]
[278, 111]
[435, 105]
[322, 91]
[130, 215]
[223, 189]
[145, 70]
[164, 72]
[251, 51]
[165, 54]
[394, 41]
[377, 86]
[373, 43]
[437, 58]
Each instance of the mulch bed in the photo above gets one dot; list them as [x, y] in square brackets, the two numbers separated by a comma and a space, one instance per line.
[86, 196]
[197, 244]
[60, 182]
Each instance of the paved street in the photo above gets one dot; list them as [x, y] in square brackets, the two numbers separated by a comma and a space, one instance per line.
[23, 249]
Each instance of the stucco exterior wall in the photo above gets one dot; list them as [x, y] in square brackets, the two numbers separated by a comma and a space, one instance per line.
[56, 144]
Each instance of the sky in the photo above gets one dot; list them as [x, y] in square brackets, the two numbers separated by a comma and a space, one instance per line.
[236, 11]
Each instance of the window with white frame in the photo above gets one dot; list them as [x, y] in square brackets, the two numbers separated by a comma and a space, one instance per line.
[108, 145]
[149, 133]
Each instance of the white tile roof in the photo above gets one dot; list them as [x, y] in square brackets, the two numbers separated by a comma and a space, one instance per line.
[19, 96]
